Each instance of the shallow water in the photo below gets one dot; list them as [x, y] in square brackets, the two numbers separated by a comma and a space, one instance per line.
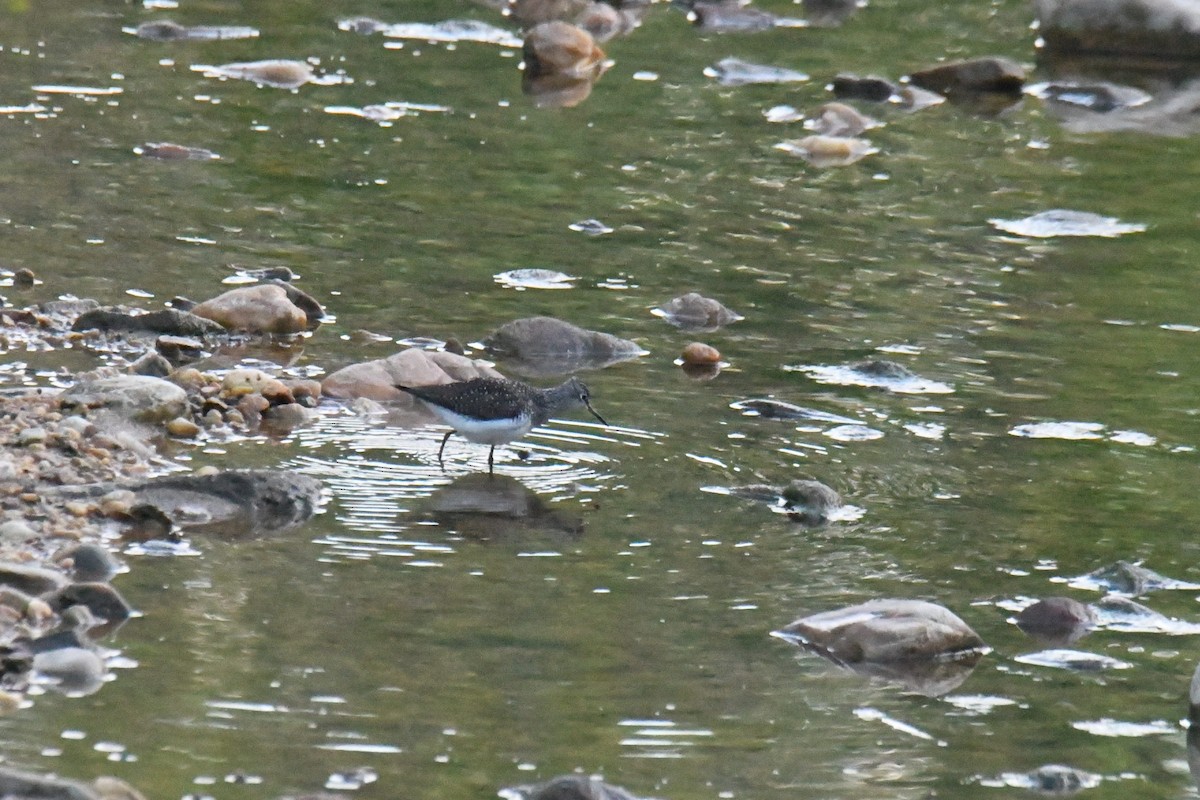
[610, 616]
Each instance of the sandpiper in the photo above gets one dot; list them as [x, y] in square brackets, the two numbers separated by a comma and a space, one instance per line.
[495, 410]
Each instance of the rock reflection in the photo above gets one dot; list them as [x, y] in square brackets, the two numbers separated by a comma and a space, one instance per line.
[496, 507]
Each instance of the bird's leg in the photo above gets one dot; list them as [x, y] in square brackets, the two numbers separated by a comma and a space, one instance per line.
[491, 462]
[445, 439]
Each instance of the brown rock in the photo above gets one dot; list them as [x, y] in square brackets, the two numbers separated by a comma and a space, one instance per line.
[376, 380]
[265, 308]
[698, 353]
[560, 48]
[989, 74]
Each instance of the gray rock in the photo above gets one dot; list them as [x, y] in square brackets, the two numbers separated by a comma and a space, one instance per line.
[884, 630]
[30, 579]
[31, 436]
[91, 563]
[166, 321]
[74, 671]
[568, 787]
[235, 502]
[140, 398]
[987, 74]
[152, 364]
[1157, 29]
[102, 600]
[695, 312]
[549, 346]
[28, 786]
[16, 531]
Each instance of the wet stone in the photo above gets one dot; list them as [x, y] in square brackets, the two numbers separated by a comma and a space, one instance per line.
[137, 397]
[152, 364]
[884, 630]
[276, 73]
[828, 151]
[168, 151]
[549, 346]
[24, 279]
[265, 308]
[847, 86]
[730, 16]
[568, 787]
[735, 72]
[988, 74]
[1061, 620]
[695, 312]
[165, 321]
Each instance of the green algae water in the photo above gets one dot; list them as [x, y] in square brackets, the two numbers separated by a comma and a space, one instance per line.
[597, 610]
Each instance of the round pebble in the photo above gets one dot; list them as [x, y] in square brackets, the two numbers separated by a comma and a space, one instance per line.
[700, 353]
[183, 428]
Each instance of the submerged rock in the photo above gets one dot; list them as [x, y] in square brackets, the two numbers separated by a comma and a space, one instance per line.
[234, 502]
[568, 787]
[988, 74]
[885, 631]
[531, 13]
[20, 785]
[376, 380]
[264, 308]
[848, 86]
[277, 73]
[1116, 29]
[831, 13]
[549, 346]
[1098, 97]
[695, 312]
[839, 119]
[1056, 620]
[167, 151]
[168, 31]
[828, 151]
[103, 601]
[140, 398]
[809, 501]
[563, 50]
[735, 72]
[562, 62]
[733, 16]
[1066, 222]
[74, 671]
[164, 321]
[1052, 779]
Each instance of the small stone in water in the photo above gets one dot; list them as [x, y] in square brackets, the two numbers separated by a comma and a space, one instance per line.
[183, 428]
[279, 73]
[698, 353]
[735, 72]
[1064, 222]
[828, 151]
[174, 152]
[24, 278]
[592, 227]
[839, 119]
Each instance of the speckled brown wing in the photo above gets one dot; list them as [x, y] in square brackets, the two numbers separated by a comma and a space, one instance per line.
[480, 398]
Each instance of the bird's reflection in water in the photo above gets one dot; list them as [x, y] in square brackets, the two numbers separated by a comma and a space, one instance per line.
[497, 507]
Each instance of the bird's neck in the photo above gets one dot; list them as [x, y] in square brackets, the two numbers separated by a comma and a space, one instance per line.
[551, 401]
